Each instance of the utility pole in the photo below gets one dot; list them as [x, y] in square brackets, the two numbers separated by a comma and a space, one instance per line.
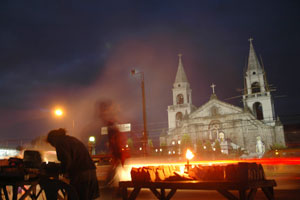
[145, 133]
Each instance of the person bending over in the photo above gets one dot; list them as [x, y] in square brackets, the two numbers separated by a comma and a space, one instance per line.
[76, 163]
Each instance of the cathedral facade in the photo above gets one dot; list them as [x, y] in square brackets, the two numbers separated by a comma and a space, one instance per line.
[252, 128]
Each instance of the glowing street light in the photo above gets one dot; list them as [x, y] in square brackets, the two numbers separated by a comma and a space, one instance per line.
[58, 112]
[91, 145]
[92, 139]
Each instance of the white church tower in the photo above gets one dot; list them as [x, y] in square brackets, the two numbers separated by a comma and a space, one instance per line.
[182, 98]
[257, 96]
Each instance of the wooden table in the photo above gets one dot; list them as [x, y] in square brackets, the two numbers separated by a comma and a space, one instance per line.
[247, 190]
[63, 189]
[16, 183]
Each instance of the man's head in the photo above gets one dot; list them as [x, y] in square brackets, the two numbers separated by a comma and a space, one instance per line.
[55, 135]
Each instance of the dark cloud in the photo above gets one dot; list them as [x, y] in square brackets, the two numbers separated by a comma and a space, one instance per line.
[72, 54]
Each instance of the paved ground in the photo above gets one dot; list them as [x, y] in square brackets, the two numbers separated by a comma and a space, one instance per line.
[145, 194]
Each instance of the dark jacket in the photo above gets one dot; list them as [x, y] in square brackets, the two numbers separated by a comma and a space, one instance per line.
[73, 155]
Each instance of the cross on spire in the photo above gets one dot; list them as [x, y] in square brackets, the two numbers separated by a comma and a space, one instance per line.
[213, 88]
[180, 55]
[250, 39]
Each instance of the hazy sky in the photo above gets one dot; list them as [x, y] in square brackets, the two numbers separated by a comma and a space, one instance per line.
[74, 54]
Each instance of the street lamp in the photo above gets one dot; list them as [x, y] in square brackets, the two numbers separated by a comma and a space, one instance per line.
[145, 133]
[91, 144]
[58, 112]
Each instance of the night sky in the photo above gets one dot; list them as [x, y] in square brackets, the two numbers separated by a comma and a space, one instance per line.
[73, 54]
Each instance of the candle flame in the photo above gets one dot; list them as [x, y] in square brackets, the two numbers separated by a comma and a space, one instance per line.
[189, 155]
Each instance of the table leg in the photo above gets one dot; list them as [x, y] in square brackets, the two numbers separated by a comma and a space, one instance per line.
[0, 192]
[5, 192]
[227, 194]
[33, 195]
[27, 192]
[269, 192]
[171, 194]
[252, 193]
[156, 193]
[124, 193]
[162, 194]
[134, 193]
[15, 192]
[242, 194]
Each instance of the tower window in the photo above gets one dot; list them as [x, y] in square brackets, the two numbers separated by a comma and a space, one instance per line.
[258, 111]
[255, 87]
[179, 117]
[178, 85]
[254, 73]
[179, 99]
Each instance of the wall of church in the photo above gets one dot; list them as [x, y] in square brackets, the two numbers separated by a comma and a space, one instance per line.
[279, 135]
[241, 129]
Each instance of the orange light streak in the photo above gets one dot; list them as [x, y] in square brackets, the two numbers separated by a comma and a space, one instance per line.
[125, 173]
[264, 161]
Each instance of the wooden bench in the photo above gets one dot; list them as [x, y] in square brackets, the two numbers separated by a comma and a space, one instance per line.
[247, 190]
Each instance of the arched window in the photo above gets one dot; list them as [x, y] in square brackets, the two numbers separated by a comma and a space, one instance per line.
[258, 111]
[179, 99]
[179, 117]
[255, 87]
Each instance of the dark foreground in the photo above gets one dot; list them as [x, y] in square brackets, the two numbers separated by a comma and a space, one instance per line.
[107, 194]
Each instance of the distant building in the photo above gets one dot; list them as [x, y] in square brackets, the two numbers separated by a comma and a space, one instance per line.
[253, 128]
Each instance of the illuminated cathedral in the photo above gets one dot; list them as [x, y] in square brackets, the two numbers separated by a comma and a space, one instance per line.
[253, 128]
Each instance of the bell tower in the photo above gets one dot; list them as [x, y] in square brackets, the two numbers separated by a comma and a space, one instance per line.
[257, 96]
[182, 98]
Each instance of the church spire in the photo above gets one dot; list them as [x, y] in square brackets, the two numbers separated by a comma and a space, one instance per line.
[257, 95]
[253, 63]
[182, 98]
[180, 76]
